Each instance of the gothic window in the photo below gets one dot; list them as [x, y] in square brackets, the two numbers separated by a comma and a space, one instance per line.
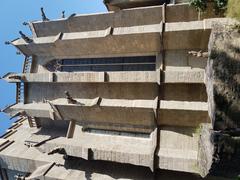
[140, 63]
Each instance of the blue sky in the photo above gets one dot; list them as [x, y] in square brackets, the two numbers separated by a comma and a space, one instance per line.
[12, 14]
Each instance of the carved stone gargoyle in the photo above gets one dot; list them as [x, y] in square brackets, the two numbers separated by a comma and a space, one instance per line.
[13, 77]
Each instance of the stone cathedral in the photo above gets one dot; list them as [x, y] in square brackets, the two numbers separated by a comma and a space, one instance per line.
[115, 95]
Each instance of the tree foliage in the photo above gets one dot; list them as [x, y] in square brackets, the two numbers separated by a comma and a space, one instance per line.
[200, 5]
[220, 6]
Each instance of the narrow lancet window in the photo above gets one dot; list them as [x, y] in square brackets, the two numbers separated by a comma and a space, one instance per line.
[141, 63]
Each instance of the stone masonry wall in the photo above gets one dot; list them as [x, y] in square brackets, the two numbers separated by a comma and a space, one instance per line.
[220, 143]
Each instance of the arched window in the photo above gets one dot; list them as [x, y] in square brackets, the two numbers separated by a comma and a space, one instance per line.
[137, 63]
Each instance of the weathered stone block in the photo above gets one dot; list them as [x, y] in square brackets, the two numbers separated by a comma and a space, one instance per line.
[223, 78]
[219, 152]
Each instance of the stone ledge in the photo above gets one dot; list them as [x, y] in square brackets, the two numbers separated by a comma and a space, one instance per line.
[184, 76]
[96, 113]
[87, 77]
[182, 113]
[116, 40]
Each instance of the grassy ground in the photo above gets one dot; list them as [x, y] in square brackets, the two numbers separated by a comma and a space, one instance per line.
[233, 9]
